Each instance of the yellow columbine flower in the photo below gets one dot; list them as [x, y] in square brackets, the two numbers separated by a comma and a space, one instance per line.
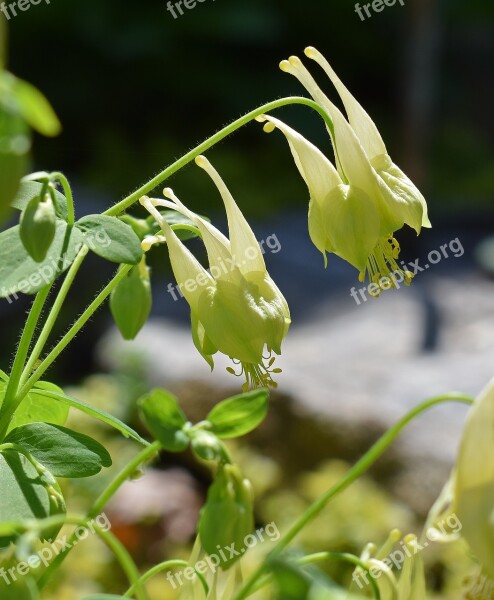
[365, 181]
[345, 215]
[236, 308]
[469, 494]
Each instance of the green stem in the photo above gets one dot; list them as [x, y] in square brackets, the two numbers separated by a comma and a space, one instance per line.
[101, 502]
[124, 558]
[206, 145]
[358, 469]
[74, 330]
[54, 313]
[9, 405]
[169, 564]
[68, 195]
[346, 557]
[129, 469]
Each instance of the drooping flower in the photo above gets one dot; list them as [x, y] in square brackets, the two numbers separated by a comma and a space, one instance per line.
[356, 207]
[236, 308]
[345, 215]
[467, 500]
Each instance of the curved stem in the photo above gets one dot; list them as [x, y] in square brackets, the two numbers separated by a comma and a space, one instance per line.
[54, 313]
[346, 557]
[74, 330]
[129, 469]
[9, 403]
[101, 502]
[206, 145]
[68, 195]
[358, 469]
[169, 564]
[125, 559]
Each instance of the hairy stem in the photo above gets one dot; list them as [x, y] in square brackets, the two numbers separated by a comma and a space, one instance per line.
[9, 404]
[74, 330]
[201, 148]
[54, 313]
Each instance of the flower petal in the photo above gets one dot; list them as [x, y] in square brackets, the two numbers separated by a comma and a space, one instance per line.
[354, 224]
[190, 275]
[318, 172]
[361, 123]
[217, 245]
[244, 246]
[474, 483]
[201, 341]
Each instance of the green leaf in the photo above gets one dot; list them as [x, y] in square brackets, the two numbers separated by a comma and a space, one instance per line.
[66, 401]
[111, 239]
[36, 407]
[173, 217]
[24, 494]
[3, 375]
[240, 414]
[20, 273]
[64, 452]
[35, 108]
[164, 419]
[32, 189]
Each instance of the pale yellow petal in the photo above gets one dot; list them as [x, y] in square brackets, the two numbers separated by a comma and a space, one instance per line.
[361, 123]
[245, 249]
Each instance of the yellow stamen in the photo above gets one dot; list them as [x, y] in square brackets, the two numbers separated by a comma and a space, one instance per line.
[256, 375]
[382, 269]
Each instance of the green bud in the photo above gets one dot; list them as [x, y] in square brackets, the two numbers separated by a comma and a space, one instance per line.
[141, 227]
[207, 446]
[38, 226]
[131, 301]
[227, 518]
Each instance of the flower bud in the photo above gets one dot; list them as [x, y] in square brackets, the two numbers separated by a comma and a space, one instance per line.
[227, 517]
[207, 446]
[38, 226]
[131, 301]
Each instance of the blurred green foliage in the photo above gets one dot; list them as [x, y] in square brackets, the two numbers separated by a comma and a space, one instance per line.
[135, 88]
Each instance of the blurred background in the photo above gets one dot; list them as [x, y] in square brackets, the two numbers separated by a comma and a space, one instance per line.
[136, 88]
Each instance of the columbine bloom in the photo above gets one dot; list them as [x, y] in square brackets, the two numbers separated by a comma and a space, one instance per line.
[469, 494]
[236, 308]
[356, 207]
